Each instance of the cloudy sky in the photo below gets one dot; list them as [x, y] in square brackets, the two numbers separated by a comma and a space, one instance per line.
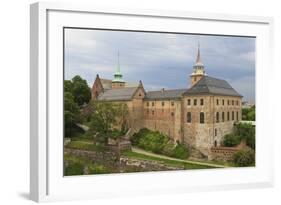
[160, 60]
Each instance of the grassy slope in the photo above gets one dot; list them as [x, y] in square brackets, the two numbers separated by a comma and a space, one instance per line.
[165, 161]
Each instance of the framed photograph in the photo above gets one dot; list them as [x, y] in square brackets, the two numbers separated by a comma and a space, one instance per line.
[128, 102]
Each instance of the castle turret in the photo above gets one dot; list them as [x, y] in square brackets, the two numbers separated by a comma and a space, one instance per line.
[118, 81]
[198, 69]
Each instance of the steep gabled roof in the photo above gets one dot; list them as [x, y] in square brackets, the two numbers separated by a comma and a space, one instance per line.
[210, 85]
[118, 94]
[106, 84]
[164, 94]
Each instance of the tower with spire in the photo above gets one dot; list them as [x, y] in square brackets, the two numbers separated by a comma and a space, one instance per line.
[118, 81]
[198, 69]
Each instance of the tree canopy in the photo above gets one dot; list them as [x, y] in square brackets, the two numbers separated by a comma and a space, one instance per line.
[108, 118]
[76, 94]
[78, 87]
[249, 114]
[71, 115]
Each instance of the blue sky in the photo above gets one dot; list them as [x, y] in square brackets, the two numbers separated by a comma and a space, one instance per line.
[160, 60]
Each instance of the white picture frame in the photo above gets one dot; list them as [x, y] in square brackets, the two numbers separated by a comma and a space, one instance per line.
[46, 179]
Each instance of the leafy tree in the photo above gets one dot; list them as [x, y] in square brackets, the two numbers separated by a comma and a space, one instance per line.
[231, 140]
[105, 118]
[247, 132]
[80, 90]
[249, 113]
[67, 86]
[245, 158]
[71, 115]
[78, 87]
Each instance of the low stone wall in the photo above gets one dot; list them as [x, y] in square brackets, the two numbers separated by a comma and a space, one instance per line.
[223, 153]
[108, 158]
[121, 163]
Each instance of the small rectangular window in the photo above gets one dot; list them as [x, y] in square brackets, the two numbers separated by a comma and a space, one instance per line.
[152, 103]
[163, 103]
[222, 102]
[202, 117]
[147, 104]
[218, 117]
[201, 102]
[232, 115]
[215, 132]
[217, 101]
[188, 101]
[172, 114]
[195, 102]
[237, 116]
[227, 102]
[188, 117]
[228, 116]
[152, 112]
[172, 103]
[232, 102]
[222, 116]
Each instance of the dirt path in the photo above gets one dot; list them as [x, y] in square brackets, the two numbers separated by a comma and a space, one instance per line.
[141, 151]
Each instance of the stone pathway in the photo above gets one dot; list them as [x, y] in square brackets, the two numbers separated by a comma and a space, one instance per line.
[141, 151]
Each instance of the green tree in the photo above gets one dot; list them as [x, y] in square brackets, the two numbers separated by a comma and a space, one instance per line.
[71, 115]
[249, 114]
[80, 90]
[231, 140]
[245, 158]
[247, 132]
[105, 118]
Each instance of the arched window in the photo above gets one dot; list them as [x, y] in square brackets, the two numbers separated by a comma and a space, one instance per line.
[202, 117]
[218, 117]
[188, 117]
[195, 102]
[222, 116]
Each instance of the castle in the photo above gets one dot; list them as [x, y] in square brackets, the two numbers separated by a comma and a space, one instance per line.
[198, 116]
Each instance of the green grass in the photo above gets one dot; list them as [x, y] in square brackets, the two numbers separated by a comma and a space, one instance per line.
[76, 166]
[169, 162]
[84, 145]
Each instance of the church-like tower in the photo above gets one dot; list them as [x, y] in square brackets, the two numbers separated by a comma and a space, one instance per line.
[198, 69]
[118, 81]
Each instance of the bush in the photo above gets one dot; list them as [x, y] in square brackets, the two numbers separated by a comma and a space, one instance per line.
[137, 136]
[159, 143]
[231, 140]
[74, 168]
[180, 151]
[245, 158]
[153, 141]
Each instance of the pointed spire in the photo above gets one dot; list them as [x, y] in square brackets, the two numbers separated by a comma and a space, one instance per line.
[198, 59]
[118, 77]
[118, 64]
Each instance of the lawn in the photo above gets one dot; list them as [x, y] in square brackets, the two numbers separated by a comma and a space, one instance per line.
[76, 166]
[84, 145]
[169, 162]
